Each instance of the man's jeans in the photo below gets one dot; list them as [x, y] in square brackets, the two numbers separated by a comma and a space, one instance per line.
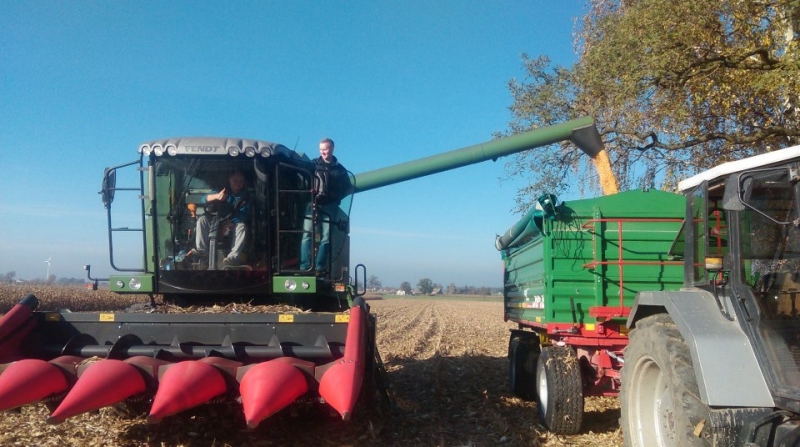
[324, 216]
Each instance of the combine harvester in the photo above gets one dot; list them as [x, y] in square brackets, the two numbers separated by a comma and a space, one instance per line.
[320, 351]
[706, 282]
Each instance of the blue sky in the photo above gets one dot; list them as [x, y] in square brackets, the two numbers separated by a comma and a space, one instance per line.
[82, 84]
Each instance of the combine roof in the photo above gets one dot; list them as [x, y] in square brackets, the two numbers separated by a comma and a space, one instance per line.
[215, 146]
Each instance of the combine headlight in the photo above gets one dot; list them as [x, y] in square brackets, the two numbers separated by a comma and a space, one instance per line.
[158, 150]
[290, 284]
[305, 285]
[146, 149]
[233, 151]
[172, 150]
[250, 151]
[120, 284]
[135, 284]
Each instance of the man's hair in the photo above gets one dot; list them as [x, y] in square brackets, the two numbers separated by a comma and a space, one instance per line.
[235, 173]
[327, 140]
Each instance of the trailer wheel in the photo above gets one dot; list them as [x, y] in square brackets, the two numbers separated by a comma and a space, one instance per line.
[660, 397]
[522, 354]
[559, 390]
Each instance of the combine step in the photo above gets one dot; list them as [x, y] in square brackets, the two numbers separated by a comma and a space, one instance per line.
[269, 361]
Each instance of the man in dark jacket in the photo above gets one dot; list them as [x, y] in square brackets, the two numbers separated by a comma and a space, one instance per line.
[337, 186]
[236, 196]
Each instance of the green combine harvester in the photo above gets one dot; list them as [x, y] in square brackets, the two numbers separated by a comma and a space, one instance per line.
[316, 346]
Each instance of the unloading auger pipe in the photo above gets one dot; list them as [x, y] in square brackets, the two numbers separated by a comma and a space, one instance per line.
[581, 131]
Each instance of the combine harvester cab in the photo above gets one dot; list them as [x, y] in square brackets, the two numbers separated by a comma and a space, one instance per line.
[280, 333]
[571, 273]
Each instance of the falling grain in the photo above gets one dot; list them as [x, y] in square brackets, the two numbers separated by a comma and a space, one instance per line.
[608, 181]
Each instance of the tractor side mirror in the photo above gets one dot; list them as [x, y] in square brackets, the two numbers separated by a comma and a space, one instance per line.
[109, 186]
[769, 192]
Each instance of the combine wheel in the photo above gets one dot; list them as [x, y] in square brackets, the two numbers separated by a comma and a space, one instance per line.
[660, 397]
[559, 390]
[522, 354]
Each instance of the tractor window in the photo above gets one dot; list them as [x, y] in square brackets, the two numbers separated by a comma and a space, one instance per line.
[770, 244]
[700, 225]
[710, 228]
[716, 222]
[770, 262]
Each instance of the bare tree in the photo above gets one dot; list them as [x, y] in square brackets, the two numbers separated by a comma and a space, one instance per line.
[676, 87]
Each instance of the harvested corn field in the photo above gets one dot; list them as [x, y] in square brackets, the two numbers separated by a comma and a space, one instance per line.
[446, 361]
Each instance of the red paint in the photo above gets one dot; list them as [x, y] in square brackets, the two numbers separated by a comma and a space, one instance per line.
[13, 320]
[341, 384]
[269, 387]
[185, 385]
[104, 383]
[28, 381]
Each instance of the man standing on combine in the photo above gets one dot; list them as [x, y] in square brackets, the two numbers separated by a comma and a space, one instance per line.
[333, 184]
[236, 197]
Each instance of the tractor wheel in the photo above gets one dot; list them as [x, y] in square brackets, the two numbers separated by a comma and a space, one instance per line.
[660, 397]
[522, 355]
[559, 390]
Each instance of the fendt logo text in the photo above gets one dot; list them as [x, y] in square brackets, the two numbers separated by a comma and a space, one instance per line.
[202, 148]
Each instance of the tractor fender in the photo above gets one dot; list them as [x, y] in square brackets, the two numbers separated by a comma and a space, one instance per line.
[724, 360]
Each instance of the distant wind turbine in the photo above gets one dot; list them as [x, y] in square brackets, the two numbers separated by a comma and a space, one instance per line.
[47, 278]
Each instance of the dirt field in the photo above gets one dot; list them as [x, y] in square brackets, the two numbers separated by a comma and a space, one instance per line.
[446, 360]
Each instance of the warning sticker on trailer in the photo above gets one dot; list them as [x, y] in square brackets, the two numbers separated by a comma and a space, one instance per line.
[532, 301]
[285, 318]
[106, 317]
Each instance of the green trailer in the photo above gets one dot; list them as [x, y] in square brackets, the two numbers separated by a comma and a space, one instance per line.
[571, 274]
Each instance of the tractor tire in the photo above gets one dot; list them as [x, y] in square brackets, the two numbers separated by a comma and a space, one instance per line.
[522, 367]
[659, 397]
[559, 390]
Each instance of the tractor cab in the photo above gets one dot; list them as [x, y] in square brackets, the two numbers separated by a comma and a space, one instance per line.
[746, 250]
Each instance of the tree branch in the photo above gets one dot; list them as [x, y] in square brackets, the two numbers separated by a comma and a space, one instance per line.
[731, 138]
